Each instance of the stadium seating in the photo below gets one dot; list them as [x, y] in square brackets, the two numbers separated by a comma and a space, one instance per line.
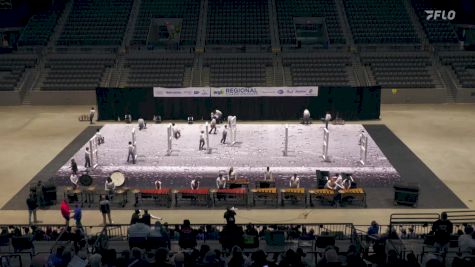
[187, 9]
[286, 10]
[96, 22]
[238, 71]
[374, 22]
[320, 69]
[400, 70]
[39, 29]
[12, 69]
[463, 64]
[75, 72]
[437, 31]
[148, 70]
[237, 22]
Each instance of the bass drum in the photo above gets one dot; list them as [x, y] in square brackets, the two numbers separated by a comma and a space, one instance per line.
[85, 180]
[118, 178]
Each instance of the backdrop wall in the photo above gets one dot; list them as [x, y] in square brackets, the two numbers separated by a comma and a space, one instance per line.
[350, 103]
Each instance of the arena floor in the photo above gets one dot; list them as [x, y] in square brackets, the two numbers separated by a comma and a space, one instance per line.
[442, 136]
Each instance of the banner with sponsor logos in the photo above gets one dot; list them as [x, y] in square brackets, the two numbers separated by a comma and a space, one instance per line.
[181, 92]
[264, 91]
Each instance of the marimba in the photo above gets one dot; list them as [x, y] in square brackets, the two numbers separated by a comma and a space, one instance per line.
[265, 184]
[193, 196]
[264, 195]
[348, 195]
[235, 196]
[322, 195]
[158, 196]
[238, 183]
[293, 195]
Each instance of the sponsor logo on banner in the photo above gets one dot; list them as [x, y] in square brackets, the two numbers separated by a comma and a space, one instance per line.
[236, 92]
[181, 92]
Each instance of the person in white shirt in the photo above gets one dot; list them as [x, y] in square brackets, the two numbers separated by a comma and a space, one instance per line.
[306, 116]
[466, 241]
[131, 150]
[360, 138]
[232, 175]
[99, 138]
[158, 184]
[220, 182]
[294, 181]
[87, 156]
[219, 115]
[195, 184]
[346, 182]
[109, 187]
[74, 180]
[175, 131]
[212, 126]
[328, 118]
[268, 175]
[332, 184]
[202, 140]
[142, 124]
[92, 112]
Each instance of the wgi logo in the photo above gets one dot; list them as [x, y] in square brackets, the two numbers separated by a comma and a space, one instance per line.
[440, 14]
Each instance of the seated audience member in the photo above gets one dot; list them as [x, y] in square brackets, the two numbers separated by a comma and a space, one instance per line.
[237, 258]
[231, 235]
[466, 241]
[139, 230]
[161, 234]
[259, 259]
[137, 259]
[123, 259]
[412, 260]
[330, 258]
[187, 239]
[161, 258]
[373, 229]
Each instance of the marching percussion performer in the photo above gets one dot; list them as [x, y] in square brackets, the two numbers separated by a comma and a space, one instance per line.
[306, 116]
[212, 126]
[175, 131]
[74, 180]
[99, 137]
[220, 182]
[268, 175]
[195, 184]
[142, 124]
[232, 175]
[109, 187]
[332, 184]
[294, 181]
[158, 184]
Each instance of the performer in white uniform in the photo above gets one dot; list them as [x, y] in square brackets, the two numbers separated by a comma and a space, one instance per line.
[109, 187]
[328, 118]
[232, 175]
[158, 184]
[195, 184]
[99, 137]
[74, 179]
[92, 112]
[268, 175]
[142, 124]
[306, 116]
[220, 182]
[212, 126]
[294, 181]
[202, 140]
[332, 184]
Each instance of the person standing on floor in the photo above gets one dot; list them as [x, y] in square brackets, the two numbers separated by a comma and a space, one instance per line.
[78, 215]
[32, 207]
[212, 126]
[92, 112]
[105, 209]
[99, 138]
[328, 118]
[65, 211]
[87, 156]
[225, 134]
[131, 153]
[74, 166]
[40, 197]
[202, 140]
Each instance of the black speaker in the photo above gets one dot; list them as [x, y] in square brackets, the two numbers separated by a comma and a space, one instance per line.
[49, 194]
[406, 194]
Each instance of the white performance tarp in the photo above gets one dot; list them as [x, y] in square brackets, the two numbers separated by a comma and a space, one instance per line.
[236, 91]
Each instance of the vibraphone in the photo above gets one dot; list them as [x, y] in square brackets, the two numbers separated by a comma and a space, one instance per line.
[322, 195]
[348, 195]
[236, 196]
[238, 183]
[265, 195]
[293, 195]
[158, 196]
[193, 196]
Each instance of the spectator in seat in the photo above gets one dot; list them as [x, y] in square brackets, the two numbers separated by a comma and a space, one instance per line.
[251, 230]
[56, 259]
[259, 259]
[139, 230]
[161, 258]
[187, 239]
[442, 229]
[124, 258]
[137, 259]
[237, 258]
[466, 241]
[373, 229]
[412, 260]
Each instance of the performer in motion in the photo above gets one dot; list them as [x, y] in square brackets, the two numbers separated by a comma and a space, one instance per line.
[294, 181]
[220, 182]
[225, 134]
[131, 149]
[202, 140]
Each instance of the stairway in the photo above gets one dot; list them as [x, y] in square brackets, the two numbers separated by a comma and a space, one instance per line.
[345, 26]
[201, 31]
[417, 25]
[60, 25]
[196, 72]
[273, 26]
[360, 77]
[129, 32]
[278, 70]
[116, 72]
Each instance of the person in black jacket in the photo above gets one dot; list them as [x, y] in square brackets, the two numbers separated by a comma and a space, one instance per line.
[442, 229]
[32, 204]
[74, 166]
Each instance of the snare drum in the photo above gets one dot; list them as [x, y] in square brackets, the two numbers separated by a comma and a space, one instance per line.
[118, 178]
